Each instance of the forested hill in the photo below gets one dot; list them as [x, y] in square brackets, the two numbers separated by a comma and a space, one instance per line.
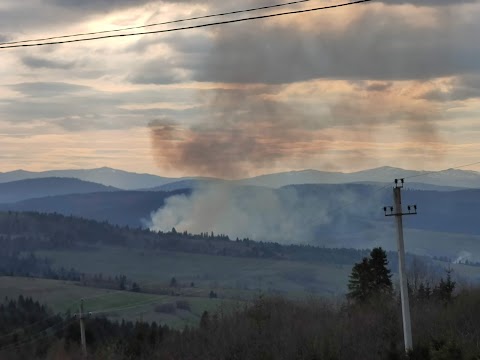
[117, 207]
[29, 231]
[40, 188]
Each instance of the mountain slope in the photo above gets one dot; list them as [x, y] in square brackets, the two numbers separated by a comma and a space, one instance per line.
[106, 176]
[132, 181]
[295, 178]
[448, 178]
[37, 188]
[119, 207]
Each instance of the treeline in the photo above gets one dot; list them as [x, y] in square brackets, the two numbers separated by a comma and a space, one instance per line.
[21, 319]
[29, 231]
[30, 265]
[269, 328]
[23, 233]
[29, 330]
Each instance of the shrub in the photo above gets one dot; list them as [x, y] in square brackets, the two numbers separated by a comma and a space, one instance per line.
[183, 305]
[167, 308]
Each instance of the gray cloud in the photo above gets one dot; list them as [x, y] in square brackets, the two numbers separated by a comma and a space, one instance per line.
[160, 71]
[378, 86]
[77, 108]
[462, 88]
[47, 89]
[390, 49]
[41, 15]
[38, 62]
[102, 6]
[429, 2]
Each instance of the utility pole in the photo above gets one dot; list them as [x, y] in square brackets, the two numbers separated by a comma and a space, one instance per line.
[398, 213]
[82, 330]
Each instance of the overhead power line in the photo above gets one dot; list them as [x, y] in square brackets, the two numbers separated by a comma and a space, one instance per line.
[37, 337]
[159, 23]
[67, 308]
[128, 307]
[23, 328]
[378, 191]
[189, 27]
[435, 172]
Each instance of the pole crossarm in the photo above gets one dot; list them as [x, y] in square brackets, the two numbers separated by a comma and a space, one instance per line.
[402, 214]
[412, 210]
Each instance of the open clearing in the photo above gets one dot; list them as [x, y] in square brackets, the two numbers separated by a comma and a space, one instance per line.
[63, 296]
[223, 273]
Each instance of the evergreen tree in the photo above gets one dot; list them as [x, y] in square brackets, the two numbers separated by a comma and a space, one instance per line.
[359, 285]
[381, 273]
[444, 290]
[370, 277]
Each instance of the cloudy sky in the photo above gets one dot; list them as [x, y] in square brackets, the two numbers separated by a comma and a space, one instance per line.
[392, 82]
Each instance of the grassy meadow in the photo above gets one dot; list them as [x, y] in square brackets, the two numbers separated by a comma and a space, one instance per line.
[63, 296]
[229, 276]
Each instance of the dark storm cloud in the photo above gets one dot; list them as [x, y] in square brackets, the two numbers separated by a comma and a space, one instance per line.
[368, 50]
[38, 62]
[377, 45]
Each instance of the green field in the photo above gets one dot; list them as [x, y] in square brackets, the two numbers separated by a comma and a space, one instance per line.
[228, 275]
[63, 295]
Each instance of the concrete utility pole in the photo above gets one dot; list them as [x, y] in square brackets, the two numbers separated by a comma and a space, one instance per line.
[82, 330]
[398, 213]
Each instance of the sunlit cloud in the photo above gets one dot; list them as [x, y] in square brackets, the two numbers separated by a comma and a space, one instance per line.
[388, 83]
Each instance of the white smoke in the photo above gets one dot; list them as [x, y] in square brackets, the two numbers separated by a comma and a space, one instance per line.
[463, 256]
[257, 213]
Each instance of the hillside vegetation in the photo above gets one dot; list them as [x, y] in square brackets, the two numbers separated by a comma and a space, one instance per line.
[270, 328]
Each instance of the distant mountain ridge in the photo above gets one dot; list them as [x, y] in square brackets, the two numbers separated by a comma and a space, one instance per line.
[105, 176]
[117, 207]
[20, 190]
[453, 178]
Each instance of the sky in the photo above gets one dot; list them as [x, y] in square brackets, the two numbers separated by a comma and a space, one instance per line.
[392, 82]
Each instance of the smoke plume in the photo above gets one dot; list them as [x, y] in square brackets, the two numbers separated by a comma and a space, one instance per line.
[258, 213]
[273, 103]
[242, 131]
[305, 214]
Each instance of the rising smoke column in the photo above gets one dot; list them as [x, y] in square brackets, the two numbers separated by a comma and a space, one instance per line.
[247, 127]
[243, 131]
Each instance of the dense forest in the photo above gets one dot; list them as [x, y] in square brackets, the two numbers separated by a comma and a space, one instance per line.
[24, 232]
[27, 232]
